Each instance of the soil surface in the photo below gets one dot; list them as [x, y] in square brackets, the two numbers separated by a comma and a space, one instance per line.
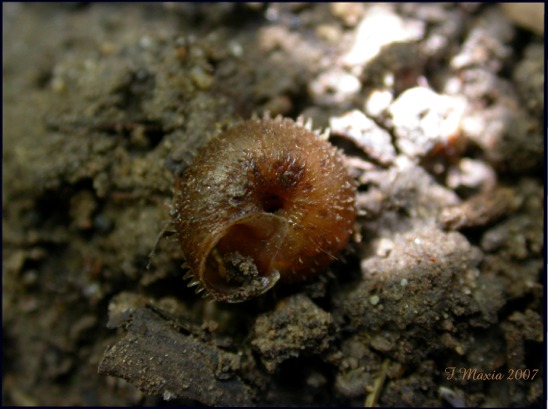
[438, 300]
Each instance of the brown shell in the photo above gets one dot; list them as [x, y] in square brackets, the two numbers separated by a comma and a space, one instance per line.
[266, 201]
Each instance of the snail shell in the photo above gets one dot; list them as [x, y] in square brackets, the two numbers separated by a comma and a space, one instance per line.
[266, 201]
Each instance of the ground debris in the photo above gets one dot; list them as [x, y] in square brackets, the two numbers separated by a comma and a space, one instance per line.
[296, 326]
[481, 209]
[159, 360]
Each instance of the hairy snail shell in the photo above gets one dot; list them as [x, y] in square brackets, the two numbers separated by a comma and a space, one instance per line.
[268, 200]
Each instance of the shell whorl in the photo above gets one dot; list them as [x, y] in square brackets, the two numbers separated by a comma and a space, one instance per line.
[268, 200]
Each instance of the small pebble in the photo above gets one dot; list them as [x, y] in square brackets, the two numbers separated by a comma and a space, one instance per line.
[200, 78]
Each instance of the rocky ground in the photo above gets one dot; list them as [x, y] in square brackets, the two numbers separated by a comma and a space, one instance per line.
[439, 110]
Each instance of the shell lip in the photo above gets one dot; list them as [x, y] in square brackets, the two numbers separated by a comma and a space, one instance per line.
[240, 264]
[244, 293]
